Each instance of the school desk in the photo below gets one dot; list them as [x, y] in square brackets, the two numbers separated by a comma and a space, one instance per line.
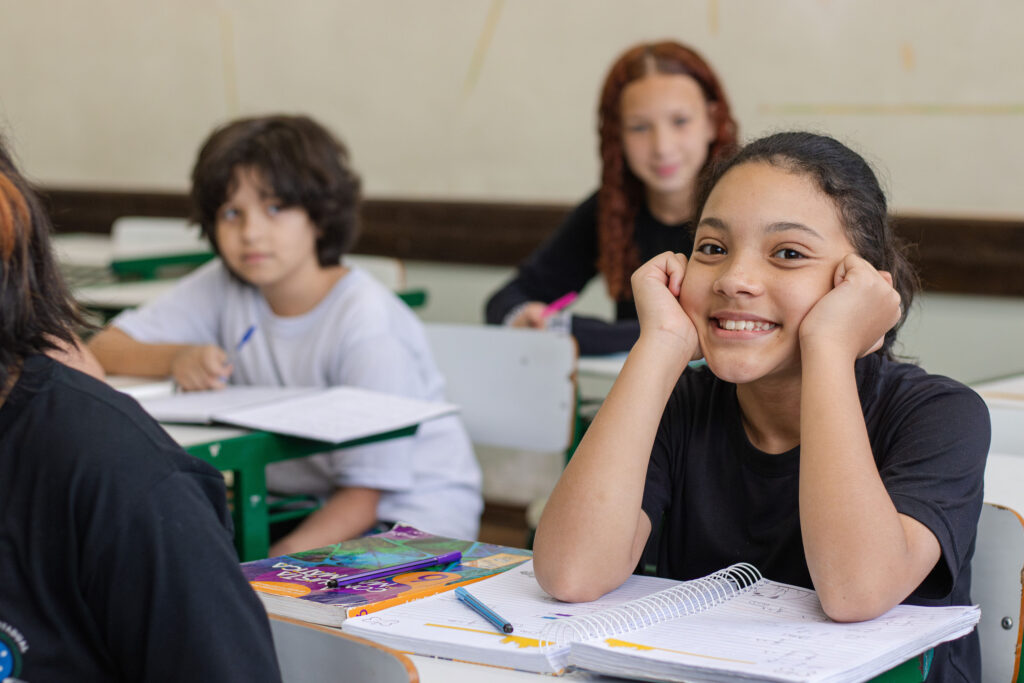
[246, 454]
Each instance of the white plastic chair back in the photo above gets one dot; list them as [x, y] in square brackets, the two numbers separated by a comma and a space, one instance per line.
[996, 587]
[516, 387]
[308, 653]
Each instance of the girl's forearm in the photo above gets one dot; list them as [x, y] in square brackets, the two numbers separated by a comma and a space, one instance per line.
[863, 556]
[593, 529]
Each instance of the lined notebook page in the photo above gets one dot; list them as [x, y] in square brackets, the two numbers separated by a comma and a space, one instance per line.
[443, 626]
[777, 632]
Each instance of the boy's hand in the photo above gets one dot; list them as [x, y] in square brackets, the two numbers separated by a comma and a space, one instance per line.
[201, 367]
[656, 288]
[855, 315]
[532, 315]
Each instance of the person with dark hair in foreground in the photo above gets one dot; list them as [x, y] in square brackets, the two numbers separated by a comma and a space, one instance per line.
[116, 555]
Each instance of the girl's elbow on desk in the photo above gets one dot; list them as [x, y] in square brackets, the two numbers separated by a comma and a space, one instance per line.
[565, 582]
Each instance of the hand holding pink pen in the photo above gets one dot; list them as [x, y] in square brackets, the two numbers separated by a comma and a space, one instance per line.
[559, 304]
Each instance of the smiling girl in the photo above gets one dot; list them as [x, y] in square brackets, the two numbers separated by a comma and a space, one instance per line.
[803, 446]
[662, 117]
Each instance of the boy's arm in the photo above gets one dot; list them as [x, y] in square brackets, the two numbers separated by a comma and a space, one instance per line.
[864, 557]
[192, 367]
[346, 514]
[593, 529]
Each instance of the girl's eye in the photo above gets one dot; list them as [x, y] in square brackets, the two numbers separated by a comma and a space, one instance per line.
[710, 249]
[228, 214]
[680, 121]
[637, 128]
[787, 253]
[274, 208]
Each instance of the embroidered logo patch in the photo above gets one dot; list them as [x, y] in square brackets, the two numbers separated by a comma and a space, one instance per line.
[12, 646]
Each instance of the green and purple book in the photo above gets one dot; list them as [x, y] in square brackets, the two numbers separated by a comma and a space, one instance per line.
[323, 585]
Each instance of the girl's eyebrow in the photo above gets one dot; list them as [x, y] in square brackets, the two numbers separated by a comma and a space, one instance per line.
[780, 226]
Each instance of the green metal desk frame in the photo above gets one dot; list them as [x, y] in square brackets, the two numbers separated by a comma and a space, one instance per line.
[246, 457]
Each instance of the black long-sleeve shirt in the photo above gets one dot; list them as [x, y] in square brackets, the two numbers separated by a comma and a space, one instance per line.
[567, 261]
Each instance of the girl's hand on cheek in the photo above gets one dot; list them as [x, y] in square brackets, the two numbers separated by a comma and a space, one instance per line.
[656, 288]
[854, 316]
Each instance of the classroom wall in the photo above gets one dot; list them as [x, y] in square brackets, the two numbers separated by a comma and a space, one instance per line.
[491, 100]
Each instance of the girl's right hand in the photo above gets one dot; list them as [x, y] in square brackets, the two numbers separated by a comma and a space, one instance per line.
[656, 289]
[201, 367]
[532, 315]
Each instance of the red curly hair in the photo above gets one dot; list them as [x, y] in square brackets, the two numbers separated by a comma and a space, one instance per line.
[621, 192]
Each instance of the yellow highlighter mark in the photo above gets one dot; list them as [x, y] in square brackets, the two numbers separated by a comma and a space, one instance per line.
[615, 642]
[519, 641]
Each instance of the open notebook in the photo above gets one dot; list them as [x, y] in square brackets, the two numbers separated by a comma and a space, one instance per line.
[730, 625]
[332, 415]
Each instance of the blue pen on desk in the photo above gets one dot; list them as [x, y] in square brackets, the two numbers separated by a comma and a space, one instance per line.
[483, 610]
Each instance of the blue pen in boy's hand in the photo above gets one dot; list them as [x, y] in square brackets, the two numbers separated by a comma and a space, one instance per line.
[245, 338]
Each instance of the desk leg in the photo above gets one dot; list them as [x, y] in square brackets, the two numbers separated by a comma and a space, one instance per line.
[252, 533]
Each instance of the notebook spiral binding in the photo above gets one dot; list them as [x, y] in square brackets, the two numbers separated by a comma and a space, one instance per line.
[687, 598]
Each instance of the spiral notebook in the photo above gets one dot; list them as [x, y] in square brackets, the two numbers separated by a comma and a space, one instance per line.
[730, 625]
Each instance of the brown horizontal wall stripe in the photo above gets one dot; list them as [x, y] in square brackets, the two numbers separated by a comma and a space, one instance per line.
[957, 255]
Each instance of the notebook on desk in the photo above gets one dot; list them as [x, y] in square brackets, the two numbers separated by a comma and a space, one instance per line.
[731, 625]
[333, 415]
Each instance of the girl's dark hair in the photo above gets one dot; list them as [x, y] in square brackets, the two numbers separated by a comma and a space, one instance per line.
[621, 192]
[301, 161]
[848, 180]
[36, 310]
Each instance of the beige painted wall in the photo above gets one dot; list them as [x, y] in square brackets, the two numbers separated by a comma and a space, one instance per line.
[493, 99]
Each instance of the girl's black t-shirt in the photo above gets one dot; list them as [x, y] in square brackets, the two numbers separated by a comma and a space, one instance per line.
[718, 500]
[567, 261]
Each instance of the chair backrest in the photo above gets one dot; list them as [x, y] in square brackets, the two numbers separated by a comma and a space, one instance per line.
[389, 271]
[996, 574]
[308, 653]
[516, 387]
[141, 236]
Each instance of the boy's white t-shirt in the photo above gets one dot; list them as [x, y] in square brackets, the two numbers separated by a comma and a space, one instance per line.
[360, 335]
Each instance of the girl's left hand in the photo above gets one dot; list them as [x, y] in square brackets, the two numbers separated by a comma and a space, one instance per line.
[855, 315]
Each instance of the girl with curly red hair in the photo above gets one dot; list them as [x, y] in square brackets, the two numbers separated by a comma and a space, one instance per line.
[662, 117]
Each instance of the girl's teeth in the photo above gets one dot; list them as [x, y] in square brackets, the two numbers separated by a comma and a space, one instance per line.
[745, 325]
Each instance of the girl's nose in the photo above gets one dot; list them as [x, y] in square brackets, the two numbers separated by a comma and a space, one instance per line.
[739, 277]
[662, 139]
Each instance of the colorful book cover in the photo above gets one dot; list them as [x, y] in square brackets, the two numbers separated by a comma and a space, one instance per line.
[297, 585]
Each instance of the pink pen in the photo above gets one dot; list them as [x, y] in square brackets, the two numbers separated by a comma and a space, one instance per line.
[558, 304]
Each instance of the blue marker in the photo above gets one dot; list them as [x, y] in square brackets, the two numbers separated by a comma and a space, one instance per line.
[245, 338]
[483, 610]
